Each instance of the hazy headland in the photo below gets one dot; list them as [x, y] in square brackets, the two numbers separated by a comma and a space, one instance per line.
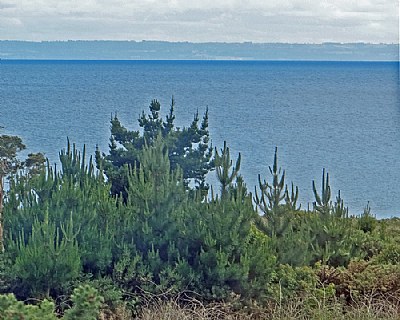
[163, 50]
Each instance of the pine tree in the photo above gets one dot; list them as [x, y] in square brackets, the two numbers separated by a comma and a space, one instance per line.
[291, 198]
[86, 304]
[272, 195]
[334, 240]
[271, 199]
[35, 163]
[223, 165]
[188, 147]
[75, 189]
[323, 202]
[46, 256]
[9, 163]
[234, 255]
[152, 227]
[339, 210]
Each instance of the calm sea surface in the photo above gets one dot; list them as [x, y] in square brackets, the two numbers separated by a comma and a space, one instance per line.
[342, 116]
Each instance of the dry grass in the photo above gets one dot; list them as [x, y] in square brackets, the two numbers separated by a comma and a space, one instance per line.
[192, 309]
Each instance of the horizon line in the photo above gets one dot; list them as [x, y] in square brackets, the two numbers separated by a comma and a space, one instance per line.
[197, 60]
[202, 42]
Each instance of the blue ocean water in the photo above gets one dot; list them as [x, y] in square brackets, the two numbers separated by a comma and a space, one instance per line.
[342, 116]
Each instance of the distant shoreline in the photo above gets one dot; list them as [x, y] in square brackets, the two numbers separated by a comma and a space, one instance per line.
[161, 50]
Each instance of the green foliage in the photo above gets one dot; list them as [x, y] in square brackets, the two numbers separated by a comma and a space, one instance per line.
[46, 258]
[390, 254]
[302, 284]
[35, 163]
[75, 192]
[291, 198]
[223, 165]
[12, 309]
[290, 282]
[328, 234]
[339, 210]
[335, 239]
[294, 246]
[114, 297]
[9, 163]
[188, 147]
[362, 281]
[323, 202]
[270, 201]
[86, 304]
[152, 218]
[234, 255]
[272, 195]
[144, 230]
[367, 222]
[174, 241]
[9, 148]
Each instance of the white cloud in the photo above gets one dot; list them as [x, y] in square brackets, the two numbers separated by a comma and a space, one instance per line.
[10, 23]
[206, 20]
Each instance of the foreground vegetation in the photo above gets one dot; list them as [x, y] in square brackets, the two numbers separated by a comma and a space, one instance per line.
[81, 242]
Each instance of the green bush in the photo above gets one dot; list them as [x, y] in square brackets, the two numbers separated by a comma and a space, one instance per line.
[74, 192]
[367, 222]
[290, 282]
[86, 304]
[46, 258]
[389, 255]
[12, 309]
[149, 227]
[188, 148]
[174, 240]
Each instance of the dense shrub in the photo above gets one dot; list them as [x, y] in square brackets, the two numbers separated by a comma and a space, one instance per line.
[149, 228]
[86, 305]
[46, 260]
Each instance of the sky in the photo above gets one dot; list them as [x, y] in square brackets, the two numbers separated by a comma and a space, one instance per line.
[296, 21]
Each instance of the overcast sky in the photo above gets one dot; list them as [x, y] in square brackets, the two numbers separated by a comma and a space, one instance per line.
[301, 21]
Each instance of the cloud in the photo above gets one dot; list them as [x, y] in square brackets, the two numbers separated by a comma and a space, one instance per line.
[6, 5]
[206, 20]
[10, 23]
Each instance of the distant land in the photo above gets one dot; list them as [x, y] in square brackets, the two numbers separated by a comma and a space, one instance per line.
[162, 50]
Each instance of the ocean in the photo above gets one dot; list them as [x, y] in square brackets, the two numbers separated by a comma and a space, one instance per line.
[341, 116]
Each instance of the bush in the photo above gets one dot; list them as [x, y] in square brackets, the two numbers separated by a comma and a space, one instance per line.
[150, 227]
[290, 282]
[389, 255]
[45, 259]
[86, 304]
[11, 309]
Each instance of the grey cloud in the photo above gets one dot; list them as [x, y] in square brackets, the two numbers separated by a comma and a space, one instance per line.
[6, 5]
[207, 20]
